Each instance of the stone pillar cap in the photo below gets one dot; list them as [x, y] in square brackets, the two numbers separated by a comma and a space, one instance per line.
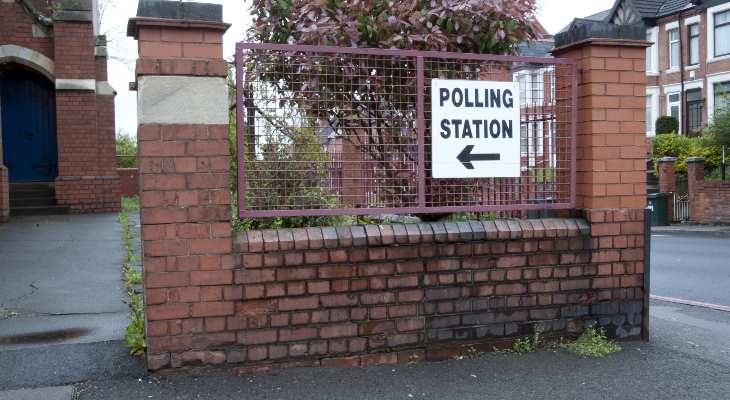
[695, 160]
[178, 15]
[668, 159]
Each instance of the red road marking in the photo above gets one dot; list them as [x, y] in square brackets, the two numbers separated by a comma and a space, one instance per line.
[691, 303]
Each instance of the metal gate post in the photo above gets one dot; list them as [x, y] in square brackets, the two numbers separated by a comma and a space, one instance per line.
[647, 276]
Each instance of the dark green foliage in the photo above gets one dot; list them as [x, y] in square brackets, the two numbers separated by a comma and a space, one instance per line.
[666, 125]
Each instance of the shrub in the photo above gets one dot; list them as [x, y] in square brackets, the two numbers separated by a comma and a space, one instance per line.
[718, 132]
[683, 147]
[126, 147]
[666, 125]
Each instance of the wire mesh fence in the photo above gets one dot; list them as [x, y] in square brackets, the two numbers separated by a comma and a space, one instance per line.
[343, 131]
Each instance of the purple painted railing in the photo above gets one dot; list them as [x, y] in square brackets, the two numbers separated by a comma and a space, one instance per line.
[346, 131]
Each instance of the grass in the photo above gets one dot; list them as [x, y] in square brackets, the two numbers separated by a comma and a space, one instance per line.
[593, 343]
[134, 338]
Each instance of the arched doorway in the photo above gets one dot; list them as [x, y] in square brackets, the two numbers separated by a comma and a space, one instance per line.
[28, 117]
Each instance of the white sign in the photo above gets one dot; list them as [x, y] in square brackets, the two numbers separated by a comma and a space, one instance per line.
[475, 129]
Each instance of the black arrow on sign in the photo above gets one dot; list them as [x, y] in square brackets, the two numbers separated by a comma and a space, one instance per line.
[466, 157]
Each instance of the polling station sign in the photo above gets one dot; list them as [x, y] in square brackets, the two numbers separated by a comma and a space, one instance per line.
[475, 129]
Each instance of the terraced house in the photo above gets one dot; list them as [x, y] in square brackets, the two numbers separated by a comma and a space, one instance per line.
[56, 110]
[688, 66]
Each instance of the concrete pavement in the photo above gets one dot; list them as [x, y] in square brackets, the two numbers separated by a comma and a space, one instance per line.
[687, 358]
[62, 295]
[693, 230]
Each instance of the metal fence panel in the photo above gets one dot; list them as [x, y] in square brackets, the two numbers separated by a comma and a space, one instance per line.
[346, 131]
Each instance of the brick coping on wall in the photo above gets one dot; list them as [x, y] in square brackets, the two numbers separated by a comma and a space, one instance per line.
[259, 241]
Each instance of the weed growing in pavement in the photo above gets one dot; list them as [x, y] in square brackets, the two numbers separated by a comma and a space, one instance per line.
[524, 345]
[593, 343]
[134, 337]
[413, 359]
[6, 313]
[471, 352]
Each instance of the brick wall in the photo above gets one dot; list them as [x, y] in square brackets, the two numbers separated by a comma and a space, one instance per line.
[16, 27]
[87, 180]
[128, 182]
[377, 294]
[708, 201]
[363, 295]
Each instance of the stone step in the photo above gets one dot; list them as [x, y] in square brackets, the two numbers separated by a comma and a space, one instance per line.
[32, 201]
[39, 210]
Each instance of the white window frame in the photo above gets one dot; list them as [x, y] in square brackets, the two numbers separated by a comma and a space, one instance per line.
[679, 108]
[692, 20]
[653, 92]
[689, 45]
[711, 31]
[652, 34]
[670, 27]
[711, 81]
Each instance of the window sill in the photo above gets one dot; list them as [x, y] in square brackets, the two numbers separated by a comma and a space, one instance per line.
[672, 70]
[652, 73]
[692, 67]
[719, 58]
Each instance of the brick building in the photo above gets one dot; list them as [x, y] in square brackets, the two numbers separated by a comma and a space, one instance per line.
[56, 110]
[688, 66]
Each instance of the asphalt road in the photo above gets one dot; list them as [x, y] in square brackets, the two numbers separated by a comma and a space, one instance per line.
[691, 267]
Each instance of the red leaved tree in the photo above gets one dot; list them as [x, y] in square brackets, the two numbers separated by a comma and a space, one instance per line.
[367, 101]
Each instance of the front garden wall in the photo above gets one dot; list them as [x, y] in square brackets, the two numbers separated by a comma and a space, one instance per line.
[361, 295]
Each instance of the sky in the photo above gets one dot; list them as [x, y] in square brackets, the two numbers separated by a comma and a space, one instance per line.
[553, 14]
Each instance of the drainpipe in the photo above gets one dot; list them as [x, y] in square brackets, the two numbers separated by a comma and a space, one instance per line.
[39, 16]
[682, 98]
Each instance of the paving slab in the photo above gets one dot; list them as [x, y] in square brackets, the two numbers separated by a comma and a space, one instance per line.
[46, 393]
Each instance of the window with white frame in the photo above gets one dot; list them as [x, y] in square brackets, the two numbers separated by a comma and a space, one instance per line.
[522, 80]
[721, 33]
[673, 35]
[537, 88]
[674, 102]
[693, 33]
[652, 53]
[650, 114]
[721, 92]
[652, 109]
[718, 33]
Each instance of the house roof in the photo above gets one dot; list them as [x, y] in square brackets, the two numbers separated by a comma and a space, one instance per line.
[672, 7]
[540, 48]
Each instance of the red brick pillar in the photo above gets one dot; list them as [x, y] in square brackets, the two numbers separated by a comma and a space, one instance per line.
[87, 180]
[611, 163]
[668, 182]
[611, 115]
[667, 175]
[185, 183]
[695, 181]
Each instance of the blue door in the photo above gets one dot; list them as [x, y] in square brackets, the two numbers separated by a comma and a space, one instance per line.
[28, 104]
